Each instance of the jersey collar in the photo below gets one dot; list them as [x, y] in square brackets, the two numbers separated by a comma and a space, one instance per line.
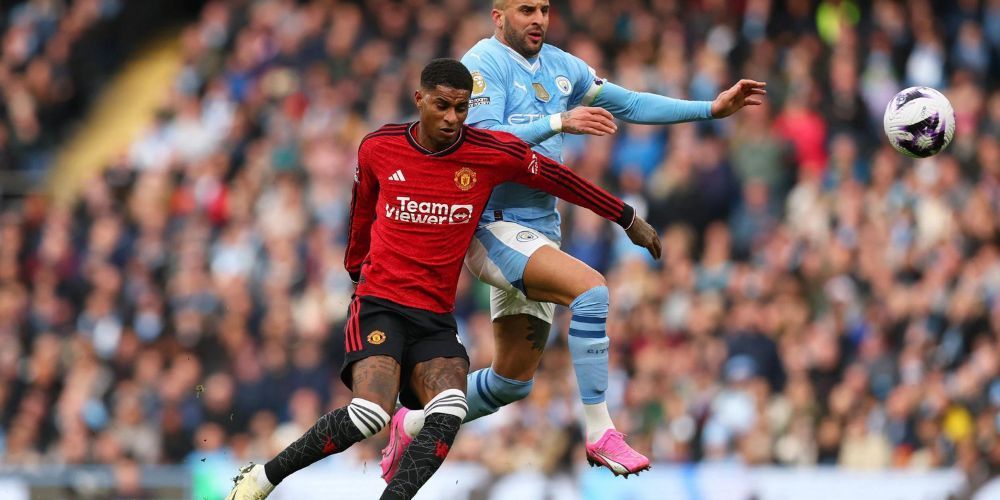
[532, 67]
[446, 151]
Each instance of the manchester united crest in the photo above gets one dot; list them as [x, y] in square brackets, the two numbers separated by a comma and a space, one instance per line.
[465, 178]
[376, 337]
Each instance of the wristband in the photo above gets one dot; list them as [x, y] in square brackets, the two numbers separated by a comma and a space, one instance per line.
[555, 122]
[627, 218]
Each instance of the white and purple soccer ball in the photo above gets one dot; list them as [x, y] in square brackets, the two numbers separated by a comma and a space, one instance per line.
[919, 122]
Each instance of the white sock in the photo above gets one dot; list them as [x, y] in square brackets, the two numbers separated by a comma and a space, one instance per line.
[413, 422]
[262, 481]
[597, 420]
[450, 402]
[367, 416]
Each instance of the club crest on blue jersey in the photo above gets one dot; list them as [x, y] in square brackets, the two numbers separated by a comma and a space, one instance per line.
[564, 85]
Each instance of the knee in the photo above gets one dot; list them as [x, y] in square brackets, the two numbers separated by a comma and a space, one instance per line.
[594, 301]
[595, 279]
[384, 404]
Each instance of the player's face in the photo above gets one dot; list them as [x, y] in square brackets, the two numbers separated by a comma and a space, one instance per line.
[443, 111]
[524, 23]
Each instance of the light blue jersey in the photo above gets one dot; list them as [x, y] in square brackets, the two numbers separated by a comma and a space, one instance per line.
[511, 90]
[526, 96]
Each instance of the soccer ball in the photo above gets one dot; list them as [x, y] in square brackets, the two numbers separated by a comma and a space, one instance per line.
[919, 122]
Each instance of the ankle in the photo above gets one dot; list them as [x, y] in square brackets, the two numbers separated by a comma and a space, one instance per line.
[413, 421]
[597, 421]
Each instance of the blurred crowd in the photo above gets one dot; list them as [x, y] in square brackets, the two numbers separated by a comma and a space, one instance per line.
[41, 86]
[822, 299]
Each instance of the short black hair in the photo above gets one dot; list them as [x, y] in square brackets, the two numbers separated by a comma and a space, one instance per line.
[447, 72]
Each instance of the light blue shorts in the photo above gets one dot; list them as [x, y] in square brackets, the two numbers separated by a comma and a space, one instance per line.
[498, 256]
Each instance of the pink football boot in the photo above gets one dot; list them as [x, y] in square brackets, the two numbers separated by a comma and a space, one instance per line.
[613, 452]
[398, 441]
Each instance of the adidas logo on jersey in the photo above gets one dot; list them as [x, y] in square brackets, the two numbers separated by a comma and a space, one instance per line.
[397, 176]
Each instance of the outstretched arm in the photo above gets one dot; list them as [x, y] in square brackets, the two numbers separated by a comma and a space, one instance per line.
[646, 108]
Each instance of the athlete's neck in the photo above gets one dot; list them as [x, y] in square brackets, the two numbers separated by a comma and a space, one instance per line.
[429, 143]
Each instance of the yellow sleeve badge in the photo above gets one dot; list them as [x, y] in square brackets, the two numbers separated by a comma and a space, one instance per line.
[478, 83]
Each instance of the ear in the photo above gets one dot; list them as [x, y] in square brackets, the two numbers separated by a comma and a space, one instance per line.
[497, 18]
[418, 98]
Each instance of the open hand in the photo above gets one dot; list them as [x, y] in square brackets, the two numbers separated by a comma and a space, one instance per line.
[733, 99]
[588, 120]
[643, 235]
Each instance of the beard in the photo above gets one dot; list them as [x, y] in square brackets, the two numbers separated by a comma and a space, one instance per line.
[519, 42]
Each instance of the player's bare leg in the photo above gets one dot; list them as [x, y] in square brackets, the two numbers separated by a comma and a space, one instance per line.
[375, 384]
[519, 341]
[440, 386]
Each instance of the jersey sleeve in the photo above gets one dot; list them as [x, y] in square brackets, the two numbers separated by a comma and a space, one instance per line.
[540, 172]
[362, 216]
[586, 83]
[488, 101]
[651, 109]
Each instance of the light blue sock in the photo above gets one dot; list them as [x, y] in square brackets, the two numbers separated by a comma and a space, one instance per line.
[487, 392]
[588, 343]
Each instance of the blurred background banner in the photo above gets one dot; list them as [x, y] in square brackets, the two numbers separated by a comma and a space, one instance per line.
[471, 481]
[175, 179]
[704, 482]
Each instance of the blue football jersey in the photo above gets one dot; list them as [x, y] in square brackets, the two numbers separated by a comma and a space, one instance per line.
[509, 89]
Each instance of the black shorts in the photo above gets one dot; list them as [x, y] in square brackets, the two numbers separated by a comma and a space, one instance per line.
[379, 327]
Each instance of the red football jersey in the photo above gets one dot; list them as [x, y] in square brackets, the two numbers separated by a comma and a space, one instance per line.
[414, 211]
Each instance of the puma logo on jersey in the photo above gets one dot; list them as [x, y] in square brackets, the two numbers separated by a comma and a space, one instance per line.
[397, 176]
